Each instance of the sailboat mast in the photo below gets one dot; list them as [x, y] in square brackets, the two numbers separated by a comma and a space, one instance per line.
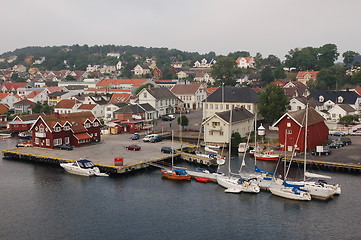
[172, 151]
[255, 138]
[230, 141]
[306, 129]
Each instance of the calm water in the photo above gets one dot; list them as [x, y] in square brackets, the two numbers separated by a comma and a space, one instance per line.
[44, 202]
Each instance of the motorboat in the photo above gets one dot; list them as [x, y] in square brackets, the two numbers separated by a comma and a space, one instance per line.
[266, 156]
[24, 144]
[5, 135]
[235, 184]
[203, 180]
[25, 135]
[83, 167]
[176, 174]
[242, 147]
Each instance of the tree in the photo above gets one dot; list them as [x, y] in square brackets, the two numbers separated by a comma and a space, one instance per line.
[236, 139]
[267, 75]
[272, 61]
[146, 85]
[349, 56]
[43, 108]
[279, 73]
[183, 121]
[272, 103]
[348, 119]
[327, 55]
[226, 70]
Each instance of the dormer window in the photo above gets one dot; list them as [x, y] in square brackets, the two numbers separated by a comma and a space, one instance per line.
[66, 128]
[96, 124]
[340, 99]
[321, 98]
[57, 129]
[87, 125]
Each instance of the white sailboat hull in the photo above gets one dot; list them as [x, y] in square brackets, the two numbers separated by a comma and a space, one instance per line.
[286, 192]
[233, 184]
[317, 191]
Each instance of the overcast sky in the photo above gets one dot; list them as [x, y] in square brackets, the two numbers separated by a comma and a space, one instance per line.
[222, 26]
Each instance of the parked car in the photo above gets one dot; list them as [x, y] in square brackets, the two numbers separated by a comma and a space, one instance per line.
[346, 140]
[133, 147]
[135, 136]
[171, 116]
[356, 133]
[148, 137]
[166, 118]
[66, 147]
[167, 150]
[334, 145]
[339, 142]
[339, 134]
[157, 138]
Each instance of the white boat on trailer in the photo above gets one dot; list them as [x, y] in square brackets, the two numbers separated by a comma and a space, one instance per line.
[83, 167]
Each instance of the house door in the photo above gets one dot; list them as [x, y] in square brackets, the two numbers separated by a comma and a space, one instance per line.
[289, 148]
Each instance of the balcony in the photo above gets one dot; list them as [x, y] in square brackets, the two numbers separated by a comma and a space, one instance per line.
[40, 134]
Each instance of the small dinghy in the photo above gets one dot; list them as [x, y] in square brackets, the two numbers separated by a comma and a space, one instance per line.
[203, 180]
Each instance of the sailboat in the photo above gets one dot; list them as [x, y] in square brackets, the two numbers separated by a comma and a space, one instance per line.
[232, 182]
[175, 173]
[318, 190]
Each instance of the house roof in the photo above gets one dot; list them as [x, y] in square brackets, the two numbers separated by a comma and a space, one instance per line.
[130, 108]
[186, 89]
[3, 95]
[3, 108]
[133, 82]
[52, 89]
[358, 91]
[349, 97]
[29, 117]
[56, 94]
[238, 114]
[33, 94]
[67, 103]
[25, 102]
[15, 85]
[75, 119]
[147, 107]
[161, 93]
[120, 97]
[87, 106]
[347, 108]
[211, 89]
[300, 117]
[248, 59]
[233, 94]
[301, 74]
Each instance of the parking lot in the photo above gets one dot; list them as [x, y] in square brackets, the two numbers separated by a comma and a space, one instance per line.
[111, 146]
[350, 154]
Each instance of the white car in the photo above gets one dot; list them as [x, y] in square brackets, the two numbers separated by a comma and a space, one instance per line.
[149, 137]
[356, 133]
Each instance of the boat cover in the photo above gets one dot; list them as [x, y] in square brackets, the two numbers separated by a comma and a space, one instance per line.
[256, 169]
[292, 185]
[85, 163]
[180, 171]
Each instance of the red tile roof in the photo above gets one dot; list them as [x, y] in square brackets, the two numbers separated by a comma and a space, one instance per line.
[33, 94]
[120, 97]
[3, 95]
[248, 59]
[110, 90]
[25, 102]
[87, 106]
[76, 119]
[15, 85]
[115, 82]
[67, 103]
[301, 74]
[82, 136]
[358, 91]
[211, 89]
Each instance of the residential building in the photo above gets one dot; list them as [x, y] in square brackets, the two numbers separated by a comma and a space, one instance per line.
[228, 97]
[204, 77]
[291, 130]
[161, 99]
[328, 99]
[140, 70]
[217, 127]
[204, 63]
[305, 76]
[23, 122]
[192, 94]
[9, 99]
[246, 62]
[76, 129]
[298, 103]
[340, 110]
[24, 106]
[67, 106]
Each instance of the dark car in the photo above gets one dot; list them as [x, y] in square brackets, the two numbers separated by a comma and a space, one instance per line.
[157, 138]
[346, 140]
[133, 147]
[339, 134]
[135, 136]
[166, 118]
[334, 145]
[66, 147]
[167, 150]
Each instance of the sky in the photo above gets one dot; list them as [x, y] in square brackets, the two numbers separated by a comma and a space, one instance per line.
[223, 26]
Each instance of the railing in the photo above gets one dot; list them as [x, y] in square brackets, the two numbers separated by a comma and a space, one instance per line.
[40, 134]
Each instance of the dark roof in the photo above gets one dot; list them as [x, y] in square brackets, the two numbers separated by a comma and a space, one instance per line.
[300, 117]
[161, 93]
[75, 87]
[234, 94]
[147, 107]
[56, 94]
[130, 108]
[238, 114]
[347, 108]
[349, 97]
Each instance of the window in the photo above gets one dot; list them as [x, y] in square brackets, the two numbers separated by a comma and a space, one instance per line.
[57, 129]
[57, 141]
[210, 132]
[145, 95]
[288, 124]
[66, 140]
[87, 125]
[66, 128]
[41, 129]
[36, 140]
[47, 142]
[96, 124]
[215, 124]
[321, 98]
[221, 133]
[288, 131]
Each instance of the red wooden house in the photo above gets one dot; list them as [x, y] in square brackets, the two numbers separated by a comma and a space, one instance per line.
[291, 130]
[76, 129]
[23, 122]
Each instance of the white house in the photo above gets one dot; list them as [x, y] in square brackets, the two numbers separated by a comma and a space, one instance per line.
[245, 62]
[38, 96]
[67, 106]
[161, 99]
[204, 63]
[340, 110]
[192, 94]
[140, 70]
[228, 97]
[110, 109]
[9, 99]
[217, 127]
[204, 77]
[96, 109]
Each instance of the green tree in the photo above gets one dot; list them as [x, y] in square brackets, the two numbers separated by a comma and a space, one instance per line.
[146, 85]
[349, 56]
[272, 103]
[349, 119]
[327, 55]
[236, 139]
[267, 75]
[183, 121]
[37, 108]
[279, 73]
[226, 70]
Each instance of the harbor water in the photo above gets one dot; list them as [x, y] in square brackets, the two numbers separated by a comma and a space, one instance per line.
[40, 201]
